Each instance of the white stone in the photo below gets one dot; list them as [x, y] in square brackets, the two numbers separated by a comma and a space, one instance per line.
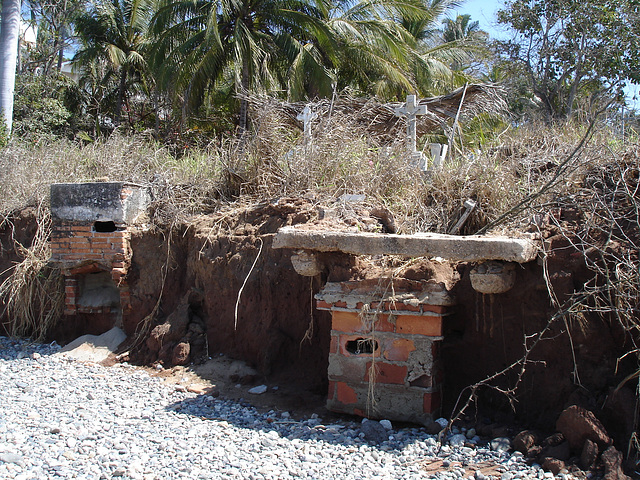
[457, 440]
[259, 390]
[386, 424]
[443, 422]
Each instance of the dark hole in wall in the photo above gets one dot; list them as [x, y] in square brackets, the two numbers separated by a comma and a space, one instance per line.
[104, 227]
[361, 346]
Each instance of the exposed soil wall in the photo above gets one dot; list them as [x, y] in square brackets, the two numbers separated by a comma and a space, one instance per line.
[185, 285]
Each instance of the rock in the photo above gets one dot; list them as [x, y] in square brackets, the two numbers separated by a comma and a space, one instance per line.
[554, 440]
[9, 457]
[443, 422]
[386, 424]
[471, 433]
[458, 440]
[500, 444]
[259, 390]
[523, 441]
[561, 452]
[589, 454]
[181, 354]
[433, 428]
[119, 472]
[374, 432]
[578, 424]
[612, 461]
[553, 465]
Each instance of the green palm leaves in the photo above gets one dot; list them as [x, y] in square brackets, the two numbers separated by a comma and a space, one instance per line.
[297, 49]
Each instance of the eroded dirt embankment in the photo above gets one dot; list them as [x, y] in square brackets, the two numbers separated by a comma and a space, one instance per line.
[185, 294]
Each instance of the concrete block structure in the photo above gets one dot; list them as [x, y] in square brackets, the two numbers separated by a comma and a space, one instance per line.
[90, 242]
[384, 356]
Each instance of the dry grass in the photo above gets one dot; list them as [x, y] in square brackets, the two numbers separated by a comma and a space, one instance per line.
[33, 294]
[273, 161]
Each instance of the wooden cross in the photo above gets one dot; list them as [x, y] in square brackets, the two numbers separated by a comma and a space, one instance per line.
[307, 116]
[411, 110]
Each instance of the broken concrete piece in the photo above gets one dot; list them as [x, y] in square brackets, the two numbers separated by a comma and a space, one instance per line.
[94, 348]
[458, 248]
[493, 277]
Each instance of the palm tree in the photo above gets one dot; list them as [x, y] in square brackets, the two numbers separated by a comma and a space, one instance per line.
[204, 43]
[438, 62]
[9, 32]
[116, 31]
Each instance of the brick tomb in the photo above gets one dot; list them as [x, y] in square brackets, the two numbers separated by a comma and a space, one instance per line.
[90, 242]
[384, 355]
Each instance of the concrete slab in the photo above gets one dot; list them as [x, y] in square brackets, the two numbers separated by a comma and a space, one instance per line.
[118, 202]
[451, 247]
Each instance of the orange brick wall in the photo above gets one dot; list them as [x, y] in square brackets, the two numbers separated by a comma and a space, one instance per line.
[404, 367]
[80, 250]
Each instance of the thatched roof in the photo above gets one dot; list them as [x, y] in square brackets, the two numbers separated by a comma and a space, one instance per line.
[380, 118]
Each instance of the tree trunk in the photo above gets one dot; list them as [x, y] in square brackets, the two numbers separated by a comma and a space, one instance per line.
[244, 103]
[121, 91]
[9, 33]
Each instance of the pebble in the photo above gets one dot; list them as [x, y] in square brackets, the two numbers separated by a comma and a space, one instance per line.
[259, 390]
[83, 420]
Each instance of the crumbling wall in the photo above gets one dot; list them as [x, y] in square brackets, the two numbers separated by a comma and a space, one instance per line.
[192, 277]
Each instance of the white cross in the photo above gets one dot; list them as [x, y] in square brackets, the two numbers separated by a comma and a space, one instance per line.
[307, 116]
[411, 110]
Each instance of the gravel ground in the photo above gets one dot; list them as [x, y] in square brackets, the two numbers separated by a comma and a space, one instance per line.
[63, 419]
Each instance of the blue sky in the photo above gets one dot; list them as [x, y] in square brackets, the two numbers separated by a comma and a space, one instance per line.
[483, 11]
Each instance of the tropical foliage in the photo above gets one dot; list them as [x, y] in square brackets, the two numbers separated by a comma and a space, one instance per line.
[170, 65]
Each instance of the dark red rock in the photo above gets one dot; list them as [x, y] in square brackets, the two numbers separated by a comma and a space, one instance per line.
[612, 461]
[553, 465]
[578, 424]
[589, 454]
[523, 441]
[181, 354]
[554, 440]
[561, 452]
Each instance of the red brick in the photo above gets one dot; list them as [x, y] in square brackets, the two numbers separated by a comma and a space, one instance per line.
[69, 311]
[407, 307]
[321, 304]
[399, 349]
[434, 308]
[70, 289]
[359, 412]
[387, 373]
[340, 304]
[333, 348]
[84, 269]
[419, 325]
[332, 390]
[81, 228]
[346, 322]
[345, 394]
[431, 402]
[118, 265]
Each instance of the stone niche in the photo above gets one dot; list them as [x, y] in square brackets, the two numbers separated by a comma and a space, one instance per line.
[90, 242]
[384, 356]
